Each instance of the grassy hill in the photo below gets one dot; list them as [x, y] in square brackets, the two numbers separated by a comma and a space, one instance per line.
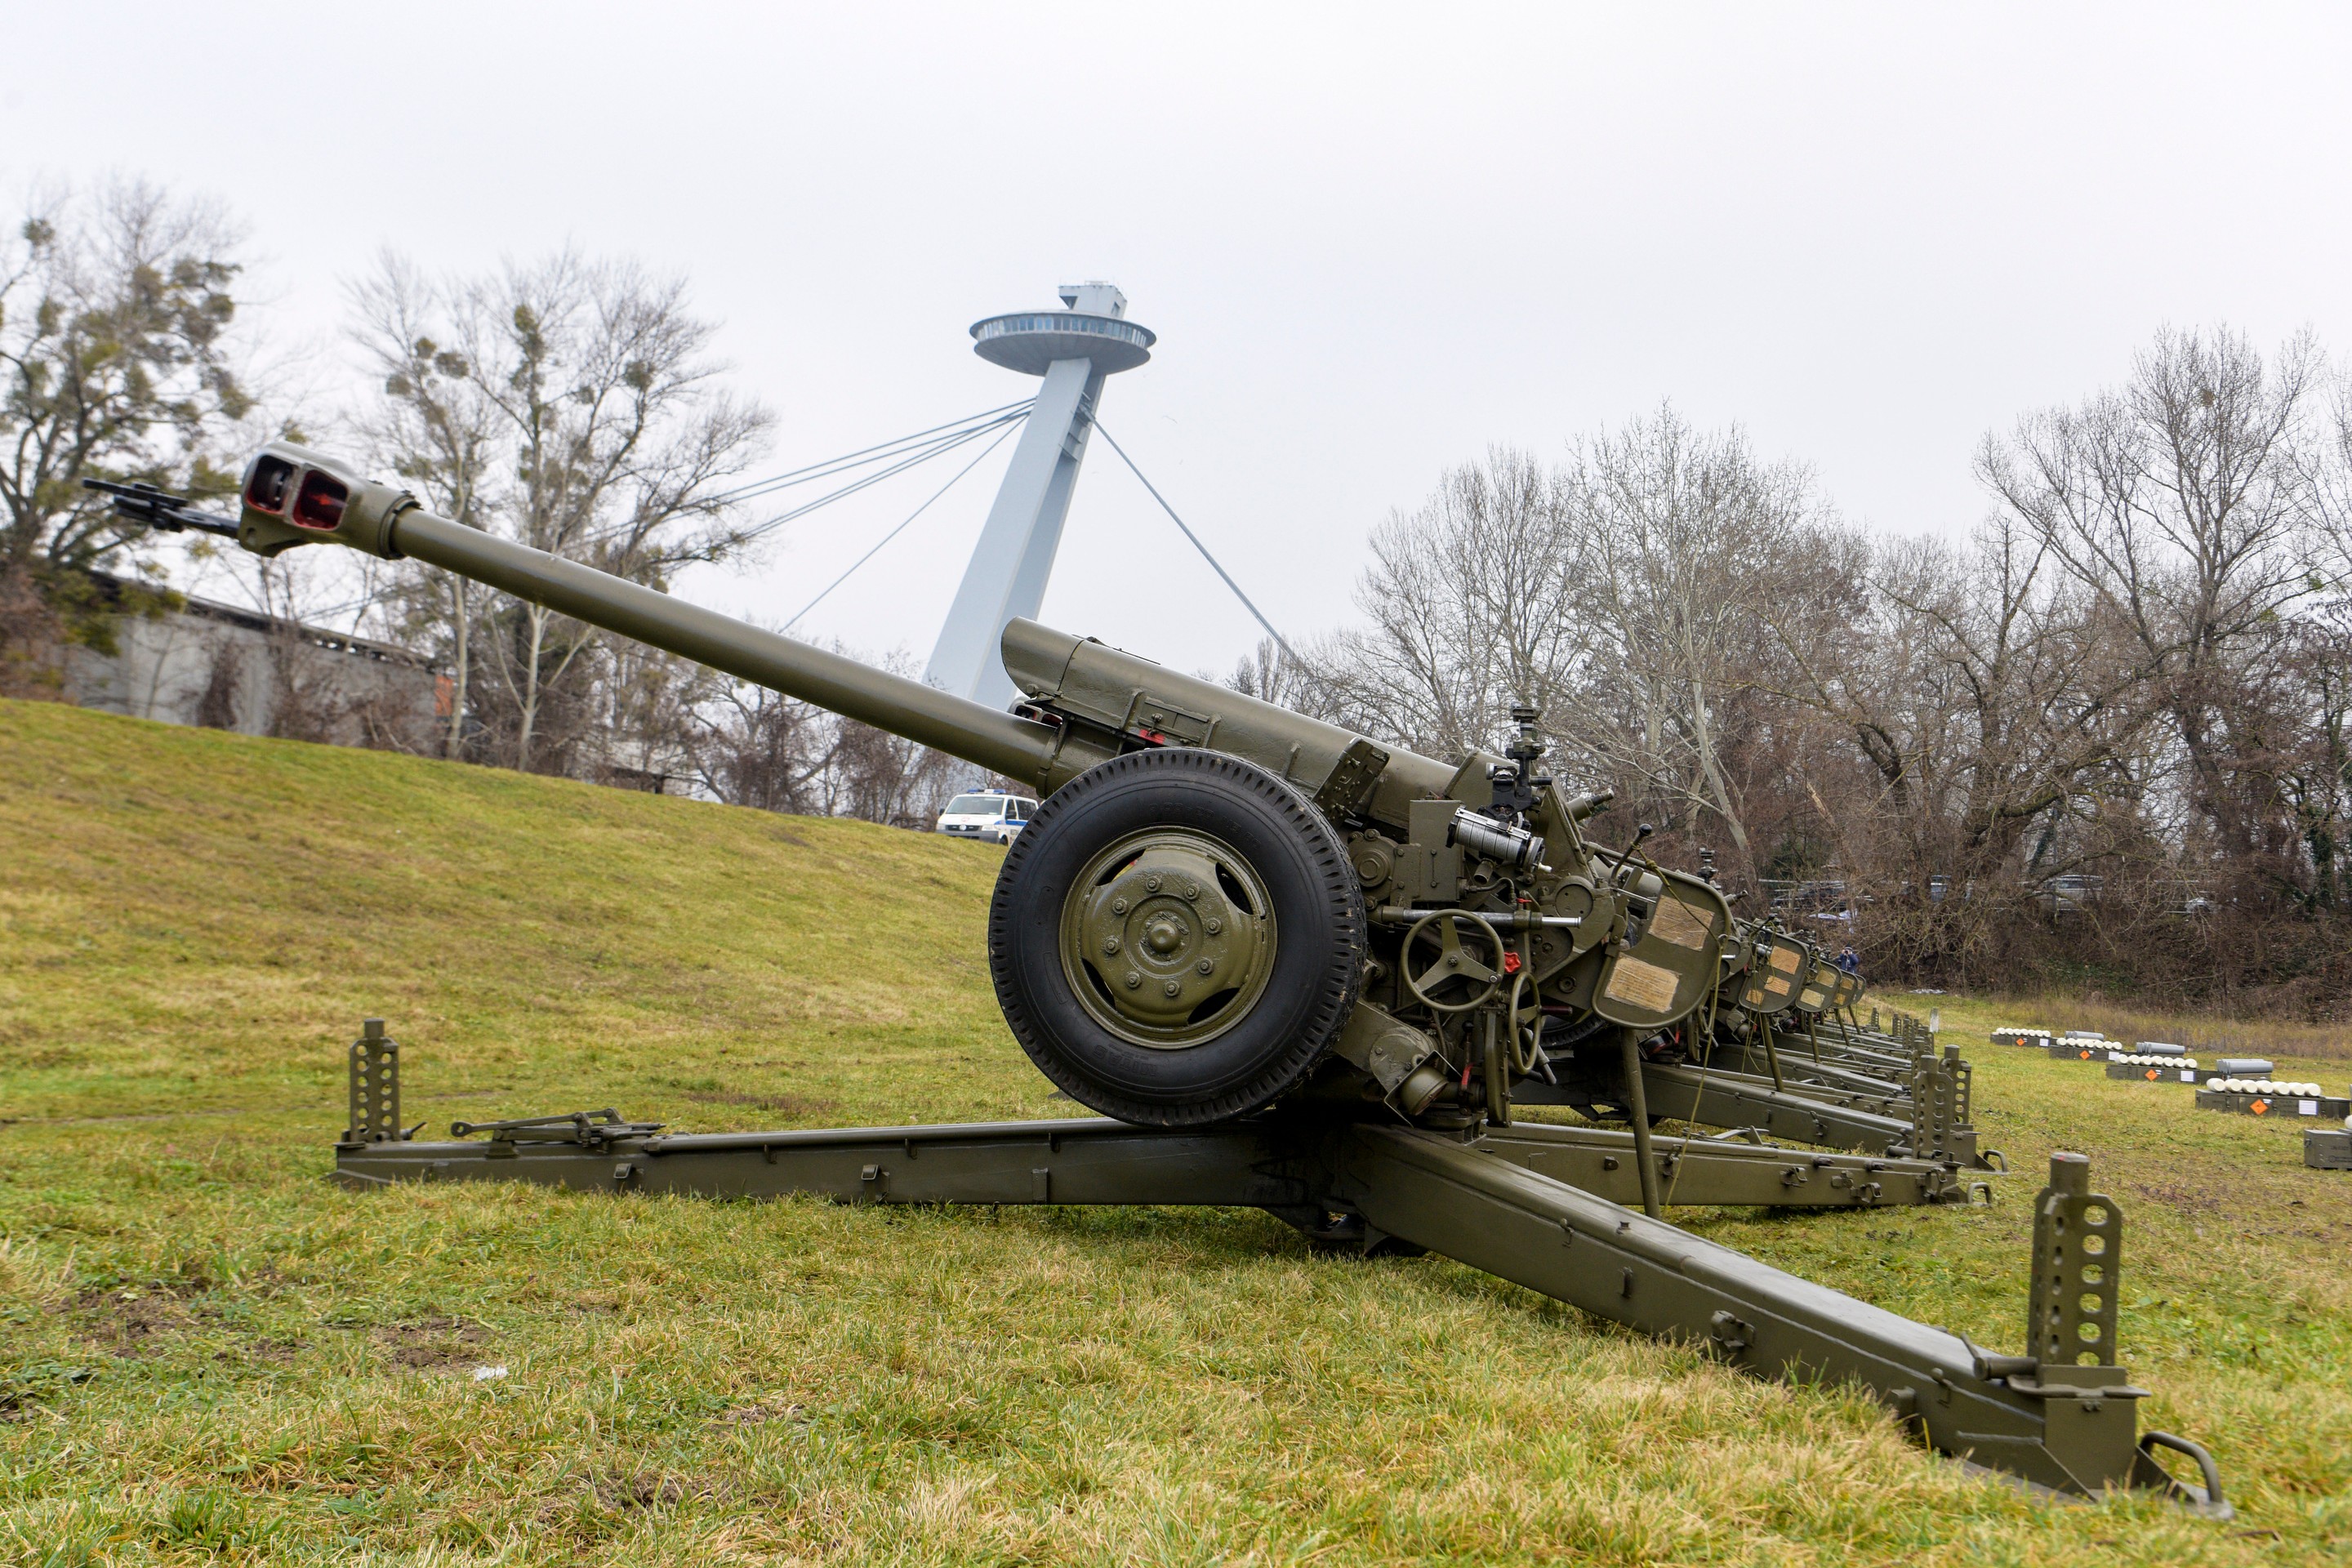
[206, 1349]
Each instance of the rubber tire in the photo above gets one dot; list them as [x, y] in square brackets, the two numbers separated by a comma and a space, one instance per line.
[1319, 961]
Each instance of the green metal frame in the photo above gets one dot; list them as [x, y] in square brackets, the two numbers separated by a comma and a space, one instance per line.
[1533, 1203]
[1715, 1097]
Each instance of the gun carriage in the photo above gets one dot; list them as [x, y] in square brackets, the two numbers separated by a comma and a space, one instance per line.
[1298, 970]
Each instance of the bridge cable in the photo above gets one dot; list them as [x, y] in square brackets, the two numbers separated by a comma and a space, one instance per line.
[895, 533]
[876, 453]
[1227, 576]
[924, 454]
[908, 457]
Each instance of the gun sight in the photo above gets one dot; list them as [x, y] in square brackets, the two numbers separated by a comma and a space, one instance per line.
[159, 509]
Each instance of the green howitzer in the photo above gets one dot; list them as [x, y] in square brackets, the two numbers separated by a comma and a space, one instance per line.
[1220, 903]
[1301, 972]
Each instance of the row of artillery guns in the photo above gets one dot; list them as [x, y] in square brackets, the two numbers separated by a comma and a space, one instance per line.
[1783, 1053]
[1298, 970]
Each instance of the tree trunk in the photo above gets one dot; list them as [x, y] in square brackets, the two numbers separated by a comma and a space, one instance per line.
[1703, 742]
[538, 618]
[454, 746]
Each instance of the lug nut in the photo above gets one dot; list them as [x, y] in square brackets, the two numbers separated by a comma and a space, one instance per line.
[1119, 905]
[1133, 979]
[1152, 883]
[1110, 945]
[1172, 988]
[1191, 889]
[1214, 925]
[1208, 965]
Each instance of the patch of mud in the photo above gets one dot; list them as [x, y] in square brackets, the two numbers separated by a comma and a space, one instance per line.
[758, 1413]
[154, 1116]
[267, 1278]
[782, 1104]
[135, 1320]
[32, 1386]
[646, 1490]
[433, 1344]
[2176, 1197]
[617, 1494]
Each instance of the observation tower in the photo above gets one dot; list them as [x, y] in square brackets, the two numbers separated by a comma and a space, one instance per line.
[1074, 350]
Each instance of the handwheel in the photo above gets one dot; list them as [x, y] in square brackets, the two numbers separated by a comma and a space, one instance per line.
[1176, 937]
[1453, 961]
[1526, 1022]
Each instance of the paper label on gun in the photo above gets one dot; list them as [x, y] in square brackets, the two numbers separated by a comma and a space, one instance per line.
[1676, 923]
[1784, 959]
[1642, 985]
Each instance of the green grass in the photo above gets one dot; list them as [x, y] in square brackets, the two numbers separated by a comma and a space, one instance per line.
[208, 1352]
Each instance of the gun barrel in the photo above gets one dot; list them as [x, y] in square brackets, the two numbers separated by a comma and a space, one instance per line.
[1097, 702]
[999, 741]
[1124, 692]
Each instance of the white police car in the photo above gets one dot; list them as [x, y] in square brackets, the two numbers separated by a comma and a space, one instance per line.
[988, 813]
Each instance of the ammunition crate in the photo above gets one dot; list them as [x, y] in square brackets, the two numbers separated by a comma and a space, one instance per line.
[2290, 1106]
[2327, 1148]
[2155, 1072]
[2082, 1050]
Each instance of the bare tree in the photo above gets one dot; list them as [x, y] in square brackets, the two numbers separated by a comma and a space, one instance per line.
[762, 749]
[887, 778]
[1470, 609]
[1625, 594]
[120, 361]
[429, 423]
[1312, 682]
[1996, 713]
[1684, 546]
[2317, 778]
[2178, 503]
[571, 404]
[647, 734]
[2107, 736]
[759, 749]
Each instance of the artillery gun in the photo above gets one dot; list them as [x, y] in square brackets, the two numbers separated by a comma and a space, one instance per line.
[1777, 1059]
[1303, 972]
[1219, 904]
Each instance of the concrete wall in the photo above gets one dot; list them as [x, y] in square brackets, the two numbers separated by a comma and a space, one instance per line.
[234, 670]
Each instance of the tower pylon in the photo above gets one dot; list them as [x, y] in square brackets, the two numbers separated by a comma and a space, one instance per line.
[1074, 350]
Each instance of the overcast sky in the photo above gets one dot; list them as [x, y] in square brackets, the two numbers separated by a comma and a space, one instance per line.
[1373, 240]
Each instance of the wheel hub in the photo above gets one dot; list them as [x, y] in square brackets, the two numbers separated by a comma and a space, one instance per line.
[1169, 938]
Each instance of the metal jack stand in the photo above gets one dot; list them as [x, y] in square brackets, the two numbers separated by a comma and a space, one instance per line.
[1531, 1203]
